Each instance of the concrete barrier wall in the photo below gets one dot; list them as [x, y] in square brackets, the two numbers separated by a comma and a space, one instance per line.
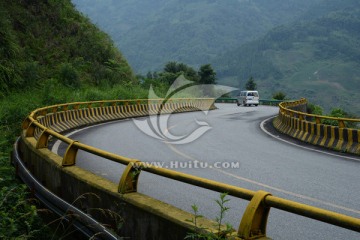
[143, 217]
[75, 118]
[295, 125]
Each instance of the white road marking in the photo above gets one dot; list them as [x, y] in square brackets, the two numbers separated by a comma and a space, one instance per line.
[268, 186]
[304, 147]
[58, 142]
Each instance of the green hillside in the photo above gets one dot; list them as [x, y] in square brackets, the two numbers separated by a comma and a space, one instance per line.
[49, 53]
[318, 59]
[151, 33]
[41, 40]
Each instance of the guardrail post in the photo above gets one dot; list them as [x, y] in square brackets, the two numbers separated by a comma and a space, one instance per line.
[129, 179]
[43, 139]
[254, 220]
[70, 155]
[26, 123]
[30, 131]
[341, 124]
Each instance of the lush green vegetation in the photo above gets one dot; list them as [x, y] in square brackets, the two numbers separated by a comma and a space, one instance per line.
[44, 40]
[279, 96]
[334, 112]
[49, 53]
[172, 70]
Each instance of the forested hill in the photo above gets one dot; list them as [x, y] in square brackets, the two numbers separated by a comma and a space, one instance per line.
[49, 54]
[151, 33]
[305, 48]
[318, 58]
[50, 40]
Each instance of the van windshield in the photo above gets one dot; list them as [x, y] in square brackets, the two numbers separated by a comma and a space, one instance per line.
[253, 94]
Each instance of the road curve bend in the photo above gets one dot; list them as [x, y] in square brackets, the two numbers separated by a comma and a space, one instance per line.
[235, 150]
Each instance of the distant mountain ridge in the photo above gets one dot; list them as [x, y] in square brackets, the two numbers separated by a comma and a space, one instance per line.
[151, 33]
[318, 59]
[304, 48]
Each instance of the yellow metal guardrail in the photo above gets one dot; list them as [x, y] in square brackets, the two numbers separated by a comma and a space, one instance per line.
[285, 108]
[310, 128]
[271, 102]
[254, 220]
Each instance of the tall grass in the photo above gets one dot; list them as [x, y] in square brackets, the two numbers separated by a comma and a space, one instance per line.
[18, 215]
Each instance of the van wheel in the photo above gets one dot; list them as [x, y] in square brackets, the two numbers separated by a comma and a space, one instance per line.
[237, 103]
[256, 105]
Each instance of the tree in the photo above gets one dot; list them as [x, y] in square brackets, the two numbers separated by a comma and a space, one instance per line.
[168, 77]
[171, 67]
[250, 84]
[149, 75]
[207, 74]
[172, 70]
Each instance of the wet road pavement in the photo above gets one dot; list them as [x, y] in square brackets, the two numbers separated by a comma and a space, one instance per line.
[235, 150]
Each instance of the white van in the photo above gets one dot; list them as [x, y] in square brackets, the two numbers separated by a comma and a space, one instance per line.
[247, 98]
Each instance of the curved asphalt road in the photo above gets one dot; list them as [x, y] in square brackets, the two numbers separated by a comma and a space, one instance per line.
[260, 163]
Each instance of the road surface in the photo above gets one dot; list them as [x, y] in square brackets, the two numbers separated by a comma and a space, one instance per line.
[236, 151]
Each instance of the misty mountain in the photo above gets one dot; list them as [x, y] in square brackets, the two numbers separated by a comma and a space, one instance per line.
[315, 57]
[151, 33]
[304, 48]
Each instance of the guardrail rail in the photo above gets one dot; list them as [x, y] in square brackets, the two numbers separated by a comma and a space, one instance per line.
[294, 121]
[48, 122]
[269, 102]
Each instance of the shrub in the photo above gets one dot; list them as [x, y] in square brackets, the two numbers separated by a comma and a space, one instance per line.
[31, 74]
[95, 95]
[69, 75]
[279, 96]
[53, 93]
[18, 217]
[200, 231]
[338, 112]
[314, 109]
